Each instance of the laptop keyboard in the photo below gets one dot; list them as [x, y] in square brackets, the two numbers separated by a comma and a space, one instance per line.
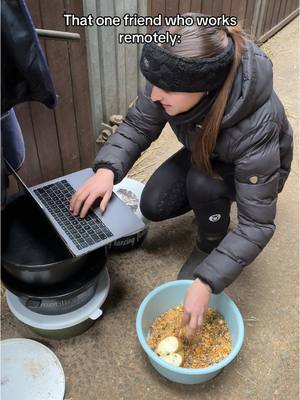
[82, 232]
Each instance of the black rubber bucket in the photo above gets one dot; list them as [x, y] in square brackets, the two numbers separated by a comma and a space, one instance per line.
[32, 251]
[62, 298]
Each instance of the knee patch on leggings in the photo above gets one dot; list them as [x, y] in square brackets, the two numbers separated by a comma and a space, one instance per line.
[159, 205]
[204, 188]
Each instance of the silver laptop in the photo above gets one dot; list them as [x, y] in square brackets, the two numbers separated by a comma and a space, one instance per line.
[82, 235]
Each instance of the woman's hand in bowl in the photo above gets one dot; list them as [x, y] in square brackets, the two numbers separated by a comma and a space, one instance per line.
[195, 306]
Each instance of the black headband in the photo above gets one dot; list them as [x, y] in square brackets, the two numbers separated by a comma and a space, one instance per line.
[182, 74]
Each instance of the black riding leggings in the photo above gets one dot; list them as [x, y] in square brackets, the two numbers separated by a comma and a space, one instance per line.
[177, 186]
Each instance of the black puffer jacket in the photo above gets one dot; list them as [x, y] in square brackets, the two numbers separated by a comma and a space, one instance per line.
[255, 136]
[24, 70]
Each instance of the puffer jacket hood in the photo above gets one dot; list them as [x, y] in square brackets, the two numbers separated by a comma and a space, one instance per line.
[252, 87]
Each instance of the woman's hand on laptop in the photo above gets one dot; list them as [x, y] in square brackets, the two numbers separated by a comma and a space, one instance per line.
[99, 185]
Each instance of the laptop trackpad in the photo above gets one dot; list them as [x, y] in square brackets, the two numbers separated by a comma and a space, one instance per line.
[119, 217]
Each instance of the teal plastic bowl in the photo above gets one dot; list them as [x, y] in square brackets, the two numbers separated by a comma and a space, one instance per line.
[170, 295]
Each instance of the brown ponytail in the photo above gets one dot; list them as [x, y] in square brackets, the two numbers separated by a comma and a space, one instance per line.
[203, 41]
[206, 142]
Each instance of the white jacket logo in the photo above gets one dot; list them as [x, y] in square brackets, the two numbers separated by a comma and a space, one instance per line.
[215, 217]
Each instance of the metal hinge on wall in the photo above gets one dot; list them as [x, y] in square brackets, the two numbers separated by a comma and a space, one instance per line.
[107, 130]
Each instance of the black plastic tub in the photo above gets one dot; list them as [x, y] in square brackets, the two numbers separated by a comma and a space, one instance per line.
[61, 298]
[32, 251]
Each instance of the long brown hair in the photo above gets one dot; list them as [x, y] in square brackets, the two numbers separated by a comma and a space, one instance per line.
[199, 42]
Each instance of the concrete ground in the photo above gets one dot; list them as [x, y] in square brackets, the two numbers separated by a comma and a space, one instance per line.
[107, 361]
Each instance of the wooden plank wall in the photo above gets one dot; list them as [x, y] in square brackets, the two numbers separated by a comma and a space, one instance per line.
[274, 16]
[251, 13]
[58, 141]
[113, 67]
[242, 9]
[276, 11]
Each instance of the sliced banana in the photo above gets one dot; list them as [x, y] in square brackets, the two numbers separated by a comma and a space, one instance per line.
[176, 359]
[170, 344]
